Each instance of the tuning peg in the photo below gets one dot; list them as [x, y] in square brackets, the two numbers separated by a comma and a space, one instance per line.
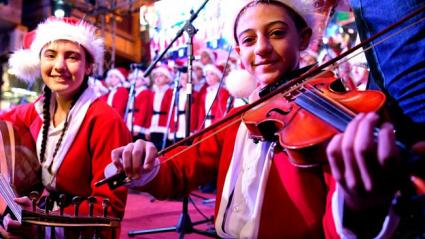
[76, 201]
[92, 200]
[34, 195]
[105, 204]
[61, 203]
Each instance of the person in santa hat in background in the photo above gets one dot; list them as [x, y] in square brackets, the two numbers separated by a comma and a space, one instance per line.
[199, 79]
[139, 115]
[117, 97]
[162, 97]
[74, 132]
[178, 118]
[207, 56]
[212, 97]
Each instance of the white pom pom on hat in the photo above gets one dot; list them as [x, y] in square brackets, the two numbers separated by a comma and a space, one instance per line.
[25, 63]
[240, 83]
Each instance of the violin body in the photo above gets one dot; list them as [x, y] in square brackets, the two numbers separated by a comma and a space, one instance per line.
[300, 132]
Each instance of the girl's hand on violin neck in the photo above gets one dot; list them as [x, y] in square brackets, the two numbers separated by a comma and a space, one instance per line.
[135, 158]
[365, 165]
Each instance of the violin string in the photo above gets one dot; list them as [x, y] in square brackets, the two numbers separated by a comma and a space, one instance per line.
[342, 112]
[335, 116]
[7, 195]
[17, 210]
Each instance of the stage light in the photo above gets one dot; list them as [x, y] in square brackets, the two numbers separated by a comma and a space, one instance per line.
[60, 8]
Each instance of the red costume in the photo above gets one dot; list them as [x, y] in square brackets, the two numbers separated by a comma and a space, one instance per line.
[178, 124]
[117, 98]
[297, 201]
[143, 111]
[218, 108]
[87, 157]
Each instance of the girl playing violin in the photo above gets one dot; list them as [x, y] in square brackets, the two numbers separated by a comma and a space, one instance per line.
[260, 193]
[68, 122]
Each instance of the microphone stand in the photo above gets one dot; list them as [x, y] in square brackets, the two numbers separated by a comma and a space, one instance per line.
[174, 102]
[185, 224]
[130, 103]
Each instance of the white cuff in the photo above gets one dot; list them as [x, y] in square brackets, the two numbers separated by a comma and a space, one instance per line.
[388, 228]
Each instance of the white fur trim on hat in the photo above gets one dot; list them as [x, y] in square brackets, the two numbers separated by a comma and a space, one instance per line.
[305, 8]
[214, 69]
[25, 63]
[210, 53]
[240, 83]
[117, 73]
[163, 70]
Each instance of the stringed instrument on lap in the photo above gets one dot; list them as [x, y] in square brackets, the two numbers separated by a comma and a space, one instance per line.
[20, 175]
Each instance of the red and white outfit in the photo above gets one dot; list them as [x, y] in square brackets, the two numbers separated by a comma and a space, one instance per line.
[142, 111]
[207, 99]
[84, 152]
[162, 97]
[284, 201]
[178, 123]
[117, 98]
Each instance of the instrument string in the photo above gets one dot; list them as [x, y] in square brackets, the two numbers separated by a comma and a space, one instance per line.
[8, 195]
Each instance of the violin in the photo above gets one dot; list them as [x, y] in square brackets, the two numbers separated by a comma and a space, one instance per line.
[303, 119]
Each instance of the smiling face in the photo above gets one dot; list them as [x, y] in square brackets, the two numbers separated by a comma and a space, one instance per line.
[211, 78]
[269, 42]
[63, 67]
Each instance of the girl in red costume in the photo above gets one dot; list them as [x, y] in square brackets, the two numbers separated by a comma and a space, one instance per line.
[74, 132]
[260, 192]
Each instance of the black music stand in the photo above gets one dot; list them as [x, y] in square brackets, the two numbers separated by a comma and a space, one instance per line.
[185, 224]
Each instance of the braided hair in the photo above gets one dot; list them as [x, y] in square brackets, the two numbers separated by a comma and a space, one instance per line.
[46, 119]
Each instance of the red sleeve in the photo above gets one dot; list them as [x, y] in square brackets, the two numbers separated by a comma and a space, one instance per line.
[328, 221]
[184, 169]
[104, 131]
[120, 101]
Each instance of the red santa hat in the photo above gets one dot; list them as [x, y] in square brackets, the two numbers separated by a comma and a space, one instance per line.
[216, 69]
[210, 53]
[25, 63]
[120, 72]
[165, 70]
[305, 8]
[240, 83]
